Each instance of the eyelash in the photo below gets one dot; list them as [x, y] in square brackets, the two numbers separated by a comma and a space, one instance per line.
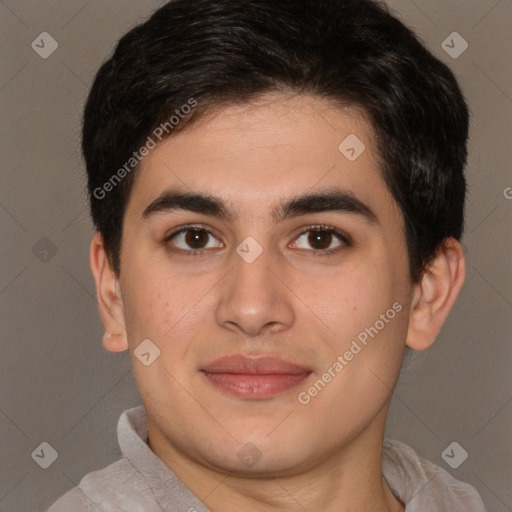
[342, 237]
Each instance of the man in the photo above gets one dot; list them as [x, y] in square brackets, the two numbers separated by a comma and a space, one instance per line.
[278, 192]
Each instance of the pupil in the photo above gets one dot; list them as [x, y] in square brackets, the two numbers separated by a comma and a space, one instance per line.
[197, 239]
[320, 239]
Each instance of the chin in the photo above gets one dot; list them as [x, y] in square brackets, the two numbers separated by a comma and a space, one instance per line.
[252, 462]
[262, 451]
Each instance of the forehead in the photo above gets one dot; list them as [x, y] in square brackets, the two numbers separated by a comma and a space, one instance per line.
[260, 153]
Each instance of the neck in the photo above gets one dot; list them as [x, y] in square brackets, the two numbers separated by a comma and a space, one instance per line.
[348, 479]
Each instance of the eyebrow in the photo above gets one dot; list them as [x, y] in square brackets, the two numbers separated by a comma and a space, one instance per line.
[331, 200]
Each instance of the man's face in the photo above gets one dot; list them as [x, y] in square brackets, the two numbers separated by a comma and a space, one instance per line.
[328, 275]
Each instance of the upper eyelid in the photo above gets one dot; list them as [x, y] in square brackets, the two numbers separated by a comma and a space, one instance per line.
[343, 237]
[200, 227]
[182, 229]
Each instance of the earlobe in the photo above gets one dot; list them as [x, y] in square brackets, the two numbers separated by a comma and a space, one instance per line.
[114, 342]
[435, 294]
[109, 297]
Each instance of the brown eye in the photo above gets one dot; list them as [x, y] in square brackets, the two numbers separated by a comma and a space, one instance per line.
[320, 239]
[194, 239]
[197, 238]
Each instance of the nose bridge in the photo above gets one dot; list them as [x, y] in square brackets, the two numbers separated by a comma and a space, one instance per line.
[253, 281]
[252, 259]
[252, 298]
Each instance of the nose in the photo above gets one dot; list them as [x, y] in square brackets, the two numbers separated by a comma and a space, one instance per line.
[254, 300]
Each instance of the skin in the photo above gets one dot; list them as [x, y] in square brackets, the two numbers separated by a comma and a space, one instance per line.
[292, 302]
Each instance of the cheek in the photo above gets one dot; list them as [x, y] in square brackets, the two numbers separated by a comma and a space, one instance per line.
[147, 306]
[164, 311]
[354, 296]
[163, 305]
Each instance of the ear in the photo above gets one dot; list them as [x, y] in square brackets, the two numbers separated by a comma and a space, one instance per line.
[109, 297]
[435, 294]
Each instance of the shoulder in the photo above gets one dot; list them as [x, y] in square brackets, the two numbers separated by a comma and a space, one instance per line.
[111, 489]
[424, 486]
[73, 500]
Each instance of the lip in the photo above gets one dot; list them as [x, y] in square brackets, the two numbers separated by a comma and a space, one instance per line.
[254, 378]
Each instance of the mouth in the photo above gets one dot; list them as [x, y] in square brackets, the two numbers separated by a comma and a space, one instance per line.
[254, 378]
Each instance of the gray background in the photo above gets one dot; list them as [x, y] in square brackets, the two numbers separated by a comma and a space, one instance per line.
[57, 383]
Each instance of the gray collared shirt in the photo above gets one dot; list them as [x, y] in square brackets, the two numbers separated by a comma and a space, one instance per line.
[141, 482]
